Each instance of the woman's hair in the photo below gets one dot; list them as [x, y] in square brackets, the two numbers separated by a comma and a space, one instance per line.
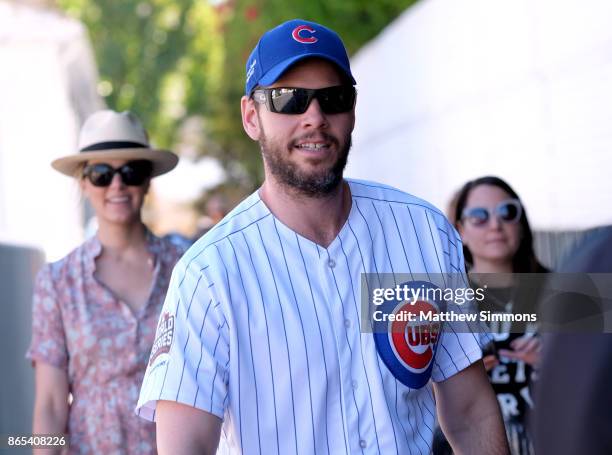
[524, 260]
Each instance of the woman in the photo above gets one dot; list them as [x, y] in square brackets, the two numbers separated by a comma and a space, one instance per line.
[95, 311]
[497, 239]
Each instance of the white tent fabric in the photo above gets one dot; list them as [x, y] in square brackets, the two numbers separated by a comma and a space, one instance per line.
[523, 90]
[47, 86]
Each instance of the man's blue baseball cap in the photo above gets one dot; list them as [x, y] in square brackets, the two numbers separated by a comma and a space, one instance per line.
[290, 42]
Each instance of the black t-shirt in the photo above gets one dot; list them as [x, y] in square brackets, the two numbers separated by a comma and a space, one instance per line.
[511, 378]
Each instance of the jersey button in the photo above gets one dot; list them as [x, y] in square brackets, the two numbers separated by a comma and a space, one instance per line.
[362, 444]
[347, 323]
[354, 384]
[331, 263]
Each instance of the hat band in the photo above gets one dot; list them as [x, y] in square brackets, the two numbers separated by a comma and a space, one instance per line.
[113, 145]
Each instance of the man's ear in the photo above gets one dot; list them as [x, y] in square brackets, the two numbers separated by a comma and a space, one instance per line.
[250, 119]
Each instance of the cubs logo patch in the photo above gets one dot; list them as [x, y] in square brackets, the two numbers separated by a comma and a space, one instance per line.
[405, 341]
[163, 337]
[301, 34]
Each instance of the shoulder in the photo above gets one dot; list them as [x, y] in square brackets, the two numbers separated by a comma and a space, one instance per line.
[207, 249]
[75, 259]
[385, 194]
[406, 205]
[57, 274]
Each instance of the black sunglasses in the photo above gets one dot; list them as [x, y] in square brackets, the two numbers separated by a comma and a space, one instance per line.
[132, 173]
[294, 100]
[508, 211]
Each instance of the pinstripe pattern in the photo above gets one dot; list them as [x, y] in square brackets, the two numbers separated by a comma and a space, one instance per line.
[267, 332]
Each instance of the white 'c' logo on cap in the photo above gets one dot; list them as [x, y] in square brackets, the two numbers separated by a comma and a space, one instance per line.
[297, 34]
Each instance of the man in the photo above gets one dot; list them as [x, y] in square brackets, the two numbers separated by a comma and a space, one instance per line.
[261, 326]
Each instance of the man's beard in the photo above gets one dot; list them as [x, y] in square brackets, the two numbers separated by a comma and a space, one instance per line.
[287, 173]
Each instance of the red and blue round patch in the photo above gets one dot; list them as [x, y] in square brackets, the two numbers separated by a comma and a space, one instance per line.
[407, 345]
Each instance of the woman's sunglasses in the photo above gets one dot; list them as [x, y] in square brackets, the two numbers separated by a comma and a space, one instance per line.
[509, 211]
[132, 173]
[293, 100]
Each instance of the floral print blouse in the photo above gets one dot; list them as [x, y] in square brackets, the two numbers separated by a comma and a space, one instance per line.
[78, 324]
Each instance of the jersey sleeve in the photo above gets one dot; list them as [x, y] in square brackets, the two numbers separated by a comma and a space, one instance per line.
[48, 342]
[456, 352]
[190, 355]
[459, 344]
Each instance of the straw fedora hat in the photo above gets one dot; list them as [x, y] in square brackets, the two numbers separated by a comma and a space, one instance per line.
[114, 135]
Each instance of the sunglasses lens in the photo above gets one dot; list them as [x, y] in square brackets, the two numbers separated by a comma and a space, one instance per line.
[99, 174]
[335, 100]
[289, 100]
[135, 173]
[477, 216]
[509, 211]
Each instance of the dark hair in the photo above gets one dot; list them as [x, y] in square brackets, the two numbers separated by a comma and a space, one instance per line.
[524, 260]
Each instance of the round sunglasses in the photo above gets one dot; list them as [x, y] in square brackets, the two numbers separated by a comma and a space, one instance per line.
[508, 211]
[132, 173]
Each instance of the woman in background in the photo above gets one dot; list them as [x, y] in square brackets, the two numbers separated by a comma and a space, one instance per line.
[95, 311]
[497, 239]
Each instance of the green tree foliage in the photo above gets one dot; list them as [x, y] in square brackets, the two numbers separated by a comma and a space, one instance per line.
[161, 59]
[173, 60]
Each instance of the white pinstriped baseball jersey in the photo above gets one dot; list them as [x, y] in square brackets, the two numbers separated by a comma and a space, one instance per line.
[261, 327]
